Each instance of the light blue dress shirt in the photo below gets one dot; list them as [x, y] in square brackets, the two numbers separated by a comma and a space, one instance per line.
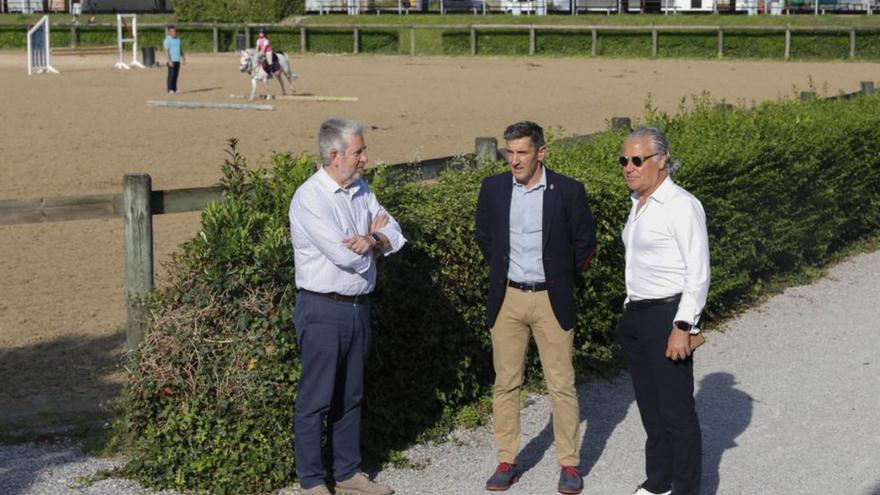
[526, 239]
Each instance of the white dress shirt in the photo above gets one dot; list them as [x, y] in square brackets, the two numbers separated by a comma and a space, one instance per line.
[323, 214]
[667, 250]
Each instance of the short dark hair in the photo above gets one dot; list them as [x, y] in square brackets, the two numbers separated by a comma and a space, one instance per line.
[527, 129]
[170, 26]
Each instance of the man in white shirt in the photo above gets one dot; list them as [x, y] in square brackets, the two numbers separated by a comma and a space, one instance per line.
[338, 229]
[667, 281]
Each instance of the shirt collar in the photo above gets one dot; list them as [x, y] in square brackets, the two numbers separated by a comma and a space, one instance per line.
[332, 186]
[542, 182]
[661, 194]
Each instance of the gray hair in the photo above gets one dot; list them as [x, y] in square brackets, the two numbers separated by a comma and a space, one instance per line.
[334, 135]
[659, 144]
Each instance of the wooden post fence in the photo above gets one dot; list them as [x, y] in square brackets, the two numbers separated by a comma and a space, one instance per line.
[486, 148]
[138, 225]
[852, 43]
[654, 47]
[216, 38]
[532, 41]
[618, 123]
[787, 43]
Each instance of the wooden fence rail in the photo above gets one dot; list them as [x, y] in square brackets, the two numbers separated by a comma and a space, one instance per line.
[138, 203]
[475, 29]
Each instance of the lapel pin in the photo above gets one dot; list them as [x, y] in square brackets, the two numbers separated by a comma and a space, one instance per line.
[551, 187]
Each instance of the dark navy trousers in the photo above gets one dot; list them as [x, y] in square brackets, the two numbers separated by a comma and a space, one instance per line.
[171, 80]
[664, 392]
[333, 339]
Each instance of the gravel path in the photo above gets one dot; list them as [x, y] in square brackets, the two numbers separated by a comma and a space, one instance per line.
[788, 397]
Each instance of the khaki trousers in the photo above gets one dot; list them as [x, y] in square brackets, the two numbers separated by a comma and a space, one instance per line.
[523, 313]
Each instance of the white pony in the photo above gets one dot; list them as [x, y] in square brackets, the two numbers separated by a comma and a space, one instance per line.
[251, 62]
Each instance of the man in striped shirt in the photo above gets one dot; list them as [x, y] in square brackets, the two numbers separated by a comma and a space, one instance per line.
[339, 230]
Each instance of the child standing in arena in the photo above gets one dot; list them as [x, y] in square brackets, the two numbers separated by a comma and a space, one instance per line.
[174, 54]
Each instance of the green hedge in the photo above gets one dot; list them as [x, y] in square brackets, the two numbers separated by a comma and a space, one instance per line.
[737, 44]
[209, 398]
[237, 10]
[577, 43]
[689, 45]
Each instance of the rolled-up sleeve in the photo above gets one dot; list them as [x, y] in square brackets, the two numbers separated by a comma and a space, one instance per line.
[311, 216]
[688, 224]
[392, 230]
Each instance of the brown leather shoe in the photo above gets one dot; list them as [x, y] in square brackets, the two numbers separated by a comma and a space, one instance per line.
[359, 484]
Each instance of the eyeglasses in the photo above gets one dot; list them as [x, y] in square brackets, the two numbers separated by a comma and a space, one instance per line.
[637, 160]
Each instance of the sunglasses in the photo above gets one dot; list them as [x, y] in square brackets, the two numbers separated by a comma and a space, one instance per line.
[637, 160]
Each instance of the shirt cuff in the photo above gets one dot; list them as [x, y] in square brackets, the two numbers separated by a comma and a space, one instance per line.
[687, 311]
[395, 239]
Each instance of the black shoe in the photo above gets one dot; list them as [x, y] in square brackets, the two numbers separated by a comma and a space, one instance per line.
[505, 476]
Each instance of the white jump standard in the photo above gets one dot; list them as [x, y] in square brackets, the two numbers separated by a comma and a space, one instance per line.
[121, 41]
[38, 50]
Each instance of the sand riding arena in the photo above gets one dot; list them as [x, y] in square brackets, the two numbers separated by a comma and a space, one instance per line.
[62, 306]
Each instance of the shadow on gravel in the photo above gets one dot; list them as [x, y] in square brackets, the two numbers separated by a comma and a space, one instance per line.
[603, 405]
[725, 413]
[21, 465]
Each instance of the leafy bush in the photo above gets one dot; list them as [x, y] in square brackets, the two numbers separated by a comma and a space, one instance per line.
[211, 390]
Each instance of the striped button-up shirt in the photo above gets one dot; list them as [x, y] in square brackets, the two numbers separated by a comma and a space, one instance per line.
[322, 215]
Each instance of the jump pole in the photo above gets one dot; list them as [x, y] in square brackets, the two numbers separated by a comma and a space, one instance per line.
[199, 104]
[305, 97]
[317, 98]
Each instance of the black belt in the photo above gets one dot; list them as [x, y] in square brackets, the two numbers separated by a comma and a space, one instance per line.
[528, 286]
[647, 303]
[359, 299]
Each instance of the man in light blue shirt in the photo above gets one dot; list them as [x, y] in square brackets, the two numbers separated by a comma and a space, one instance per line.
[537, 232]
[174, 54]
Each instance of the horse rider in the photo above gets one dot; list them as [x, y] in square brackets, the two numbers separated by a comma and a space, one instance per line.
[264, 46]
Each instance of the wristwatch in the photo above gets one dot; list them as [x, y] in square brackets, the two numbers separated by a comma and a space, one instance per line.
[683, 326]
[376, 238]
